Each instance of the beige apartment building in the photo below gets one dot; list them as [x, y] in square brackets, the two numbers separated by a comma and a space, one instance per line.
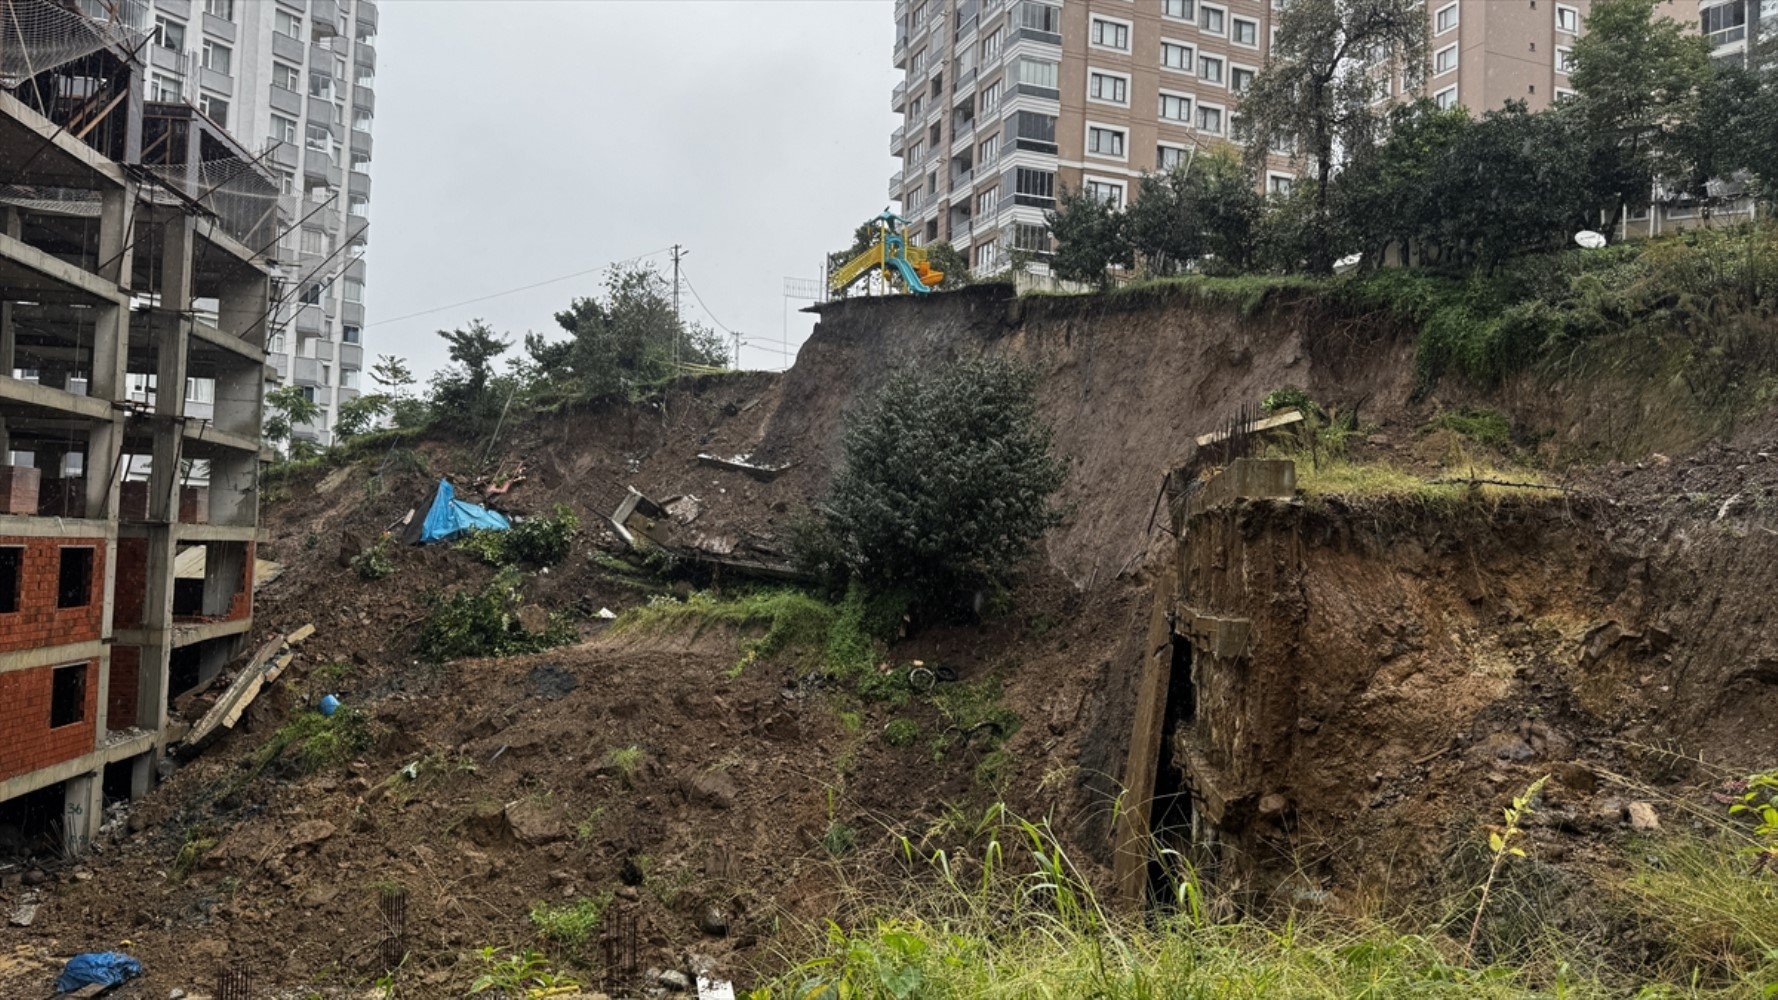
[1006, 102]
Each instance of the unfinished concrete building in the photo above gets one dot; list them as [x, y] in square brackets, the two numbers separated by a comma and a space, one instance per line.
[132, 241]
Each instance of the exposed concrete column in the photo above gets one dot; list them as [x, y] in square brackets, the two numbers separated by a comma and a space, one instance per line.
[111, 336]
[12, 223]
[225, 567]
[83, 808]
[242, 307]
[141, 775]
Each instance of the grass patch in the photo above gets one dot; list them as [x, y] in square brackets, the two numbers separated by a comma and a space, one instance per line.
[321, 742]
[1489, 428]
[540, 540]
[570, 926]
[626, 762]
[1341, 477]
[374, 562]
[901, 733]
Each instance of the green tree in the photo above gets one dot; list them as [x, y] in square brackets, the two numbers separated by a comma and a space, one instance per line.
[359, 416]
[395, 383]
[1636, 78]
[462, 388]
[1316, 95]
[1091, 236]
[1385, 196]
[947, 479]
[623, 342]
[286, 407]
[947, 259]
[1205, 212]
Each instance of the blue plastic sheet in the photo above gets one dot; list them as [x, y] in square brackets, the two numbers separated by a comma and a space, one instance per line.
[449, 517]
[100, 968]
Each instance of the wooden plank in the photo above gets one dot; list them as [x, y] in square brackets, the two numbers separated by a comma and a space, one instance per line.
[1270, 423]
[1133, 848]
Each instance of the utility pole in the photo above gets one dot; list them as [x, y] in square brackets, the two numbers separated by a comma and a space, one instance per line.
[678, 324]
[737, 338]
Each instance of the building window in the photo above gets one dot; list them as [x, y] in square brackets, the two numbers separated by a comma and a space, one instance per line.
[1564, 60]
[1446, 99]
[224, 9]
[215, 107]
[1444, 60]
[320, 84]
[354, 290]
[1108, 88]
[359, 206]
[284, 129]
[986, 259]
[1180, 10]
[1240, 79]
[1568, 19]
[1445, 19]
[1279, 184]
[1721, 25]
[1246, 32]
[361, 163]
[286, 180]
[1563, 94]
[287, 76]
[12, 572]
[1040, 17]
[1035, 73]
[169, 34]
[1176, 108]
[1035, 131]
[67, 695]
[1210, 120]
[217, 57]
[1169, 157]
[286, 23]
[990, 151]
[990, 97]
[350, 334]
[990, 47]
[1111, 35]
[1211, 18]
[987, 203]
[166, 88]
[313, 239]
[1176, 56]
[74, 584]
[1031, 237]
[1034, 187]
[1210, 69]
[1105, 141]
[1106, 192]
[319, 138]
[360, 120]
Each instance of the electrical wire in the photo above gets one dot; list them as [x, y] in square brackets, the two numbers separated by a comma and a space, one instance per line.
[514, 291]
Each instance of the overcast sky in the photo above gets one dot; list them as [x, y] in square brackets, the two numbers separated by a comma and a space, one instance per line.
[522, 140]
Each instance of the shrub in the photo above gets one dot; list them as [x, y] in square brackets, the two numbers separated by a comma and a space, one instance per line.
[542, 540]
[485, 623]
[374, 562]
[570, 926]
[901, 733]
[947, 479]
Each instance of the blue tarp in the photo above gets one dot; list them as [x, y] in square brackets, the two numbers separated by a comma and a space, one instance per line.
[450, 517]
[102, 968]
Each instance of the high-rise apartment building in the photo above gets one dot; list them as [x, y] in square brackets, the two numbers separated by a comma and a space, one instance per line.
[1736, 29]
[1005, 102]
[294, 80]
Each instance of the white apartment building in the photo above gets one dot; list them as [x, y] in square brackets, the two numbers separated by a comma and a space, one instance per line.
[294, 81]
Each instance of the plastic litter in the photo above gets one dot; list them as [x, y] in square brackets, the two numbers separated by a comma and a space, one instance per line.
[329, 705]
[97, 968]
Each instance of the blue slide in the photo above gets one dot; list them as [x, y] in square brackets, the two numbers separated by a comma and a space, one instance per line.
[907, 274]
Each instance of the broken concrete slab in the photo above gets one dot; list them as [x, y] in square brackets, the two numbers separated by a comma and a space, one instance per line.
[1247, 479]
[740, 463]
[1271, 423]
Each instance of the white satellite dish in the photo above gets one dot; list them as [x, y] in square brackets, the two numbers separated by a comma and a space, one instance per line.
[1348, 261]
[1589, 239]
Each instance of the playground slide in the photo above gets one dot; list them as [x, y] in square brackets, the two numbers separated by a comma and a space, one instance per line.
[908, 275]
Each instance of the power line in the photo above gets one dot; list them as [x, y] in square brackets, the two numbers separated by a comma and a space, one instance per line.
[707, 312]
[515, 291]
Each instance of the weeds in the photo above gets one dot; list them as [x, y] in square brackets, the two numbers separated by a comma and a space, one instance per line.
[485, 623]
[1503, 843]
[570, 926]
[517, 974]
[320, 742]
[198, 843]
[541, 540]
[901, 733]
[625, 763]
[844, 635]
[1488, 428]
[374, 562]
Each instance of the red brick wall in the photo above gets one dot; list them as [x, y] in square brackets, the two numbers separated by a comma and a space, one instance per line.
[242, 604]
[38, 622]
[194, 504]
[26, 741]
[120, 702]
[131, 595]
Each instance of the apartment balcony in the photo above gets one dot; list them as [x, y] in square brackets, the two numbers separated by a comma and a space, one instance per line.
[895, 180]
[321, 349]
[319, 165]
[325, 12]
[367, 13]
[901, 53]
[960, 182]
[360, 142]
[288, 48]
[352, 313]
[171, 60]
[365, 97]
[310, 320]
[210, 79]
[895, 140]
[285, 154]
[220, 27]
[279, 363]
[306, 371]
[352, 356]
[358, 183]
[963, 134]
[364, 53]
[898, 96]
[287, 101]
[321, 111]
